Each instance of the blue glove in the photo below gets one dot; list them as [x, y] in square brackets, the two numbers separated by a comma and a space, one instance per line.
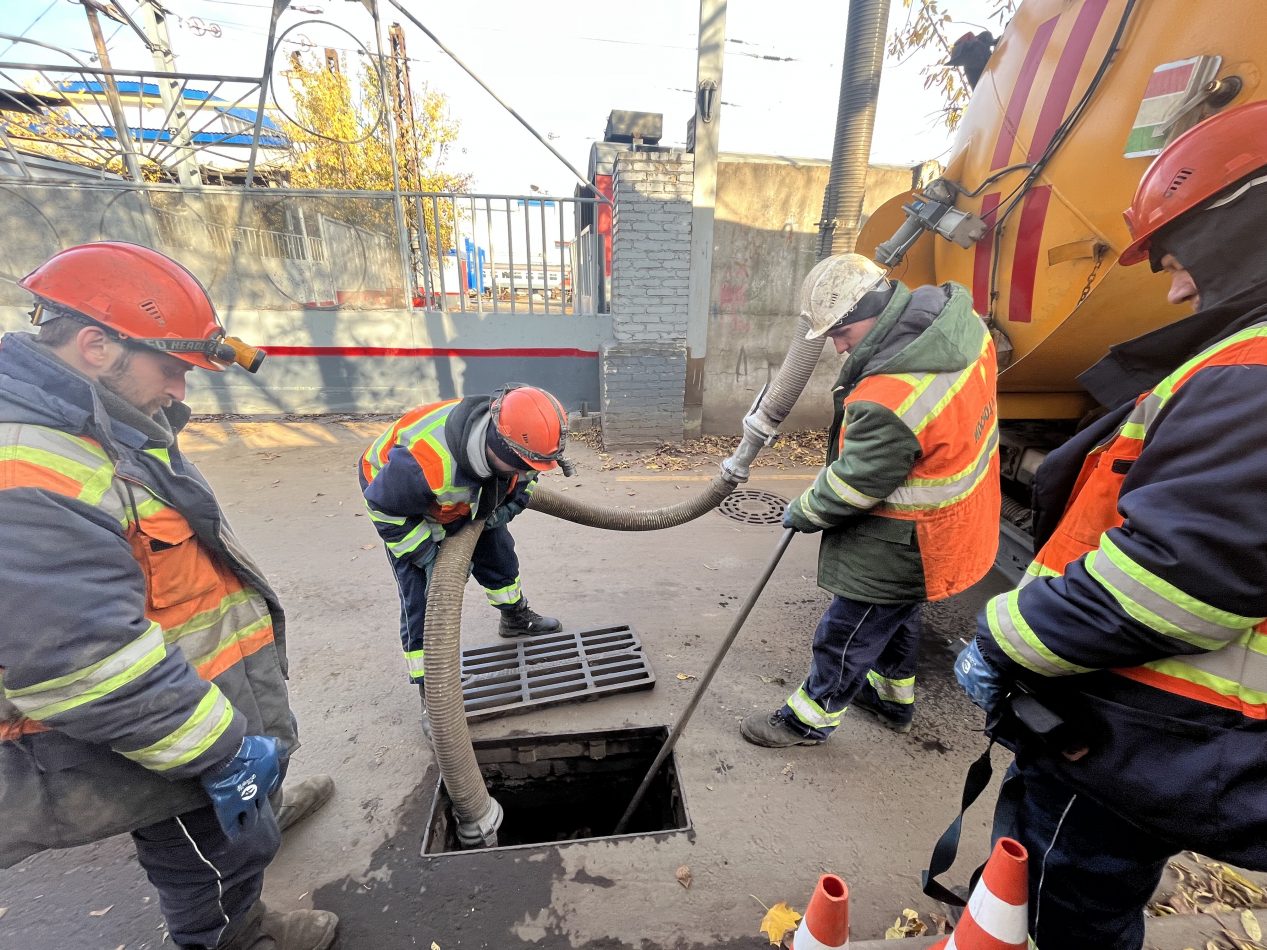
[981, 681]
[239, 789]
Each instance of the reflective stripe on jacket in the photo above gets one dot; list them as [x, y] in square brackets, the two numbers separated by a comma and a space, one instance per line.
[415, 483]
[139, 644]
[909, 500]
[1151, 597]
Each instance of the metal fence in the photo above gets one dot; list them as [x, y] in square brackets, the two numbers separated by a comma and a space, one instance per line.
[505, 253]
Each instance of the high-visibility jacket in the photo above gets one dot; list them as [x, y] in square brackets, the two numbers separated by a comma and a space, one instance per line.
[417, 482]
[1142, 615]
[140, 643]
[909, 499]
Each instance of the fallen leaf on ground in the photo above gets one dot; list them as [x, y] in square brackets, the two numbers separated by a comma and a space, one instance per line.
[1250, 923]
[368, 547]
[100, 913]
[434, 945]
[683, 875]
[778, 920]
[908, 925]
[776, 680]
[687, 676]
[3, 911]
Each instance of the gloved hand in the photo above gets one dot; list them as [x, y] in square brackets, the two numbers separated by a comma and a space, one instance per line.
[240, 787]
[504, 512]
[791, 525]
[981, 681]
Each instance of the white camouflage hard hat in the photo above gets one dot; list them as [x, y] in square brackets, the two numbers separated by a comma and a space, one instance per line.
[834, 287]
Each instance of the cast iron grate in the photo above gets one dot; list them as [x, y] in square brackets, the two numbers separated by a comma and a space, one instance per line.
[753, 506]
[553, 668]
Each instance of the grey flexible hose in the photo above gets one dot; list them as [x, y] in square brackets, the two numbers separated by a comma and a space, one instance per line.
[478, 814]
[627, 519]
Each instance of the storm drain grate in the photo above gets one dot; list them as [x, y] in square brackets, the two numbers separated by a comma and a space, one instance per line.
[552, 668]
[753, 506]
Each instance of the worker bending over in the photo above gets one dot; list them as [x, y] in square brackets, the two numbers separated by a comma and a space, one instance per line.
[444, 464]
[142, 651]
[908, 502]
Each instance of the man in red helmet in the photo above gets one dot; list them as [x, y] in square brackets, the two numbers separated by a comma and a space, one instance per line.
[444, 464]
[142, 651]
[1142, 618]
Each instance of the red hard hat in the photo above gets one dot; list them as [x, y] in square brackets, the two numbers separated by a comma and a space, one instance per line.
[135, 291]
[1196, 166]
[532, 423]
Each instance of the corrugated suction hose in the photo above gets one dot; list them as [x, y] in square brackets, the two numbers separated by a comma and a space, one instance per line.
[627, 519]
[478, 813]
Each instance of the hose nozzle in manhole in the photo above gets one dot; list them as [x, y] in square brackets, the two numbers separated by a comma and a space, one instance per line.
[752, 506]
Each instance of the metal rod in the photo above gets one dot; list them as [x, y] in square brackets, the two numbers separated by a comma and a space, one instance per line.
[707, 678]
[501, 102]
[112, 97]
[527, 203]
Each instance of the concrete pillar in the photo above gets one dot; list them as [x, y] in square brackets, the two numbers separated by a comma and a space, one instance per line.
[644, 371]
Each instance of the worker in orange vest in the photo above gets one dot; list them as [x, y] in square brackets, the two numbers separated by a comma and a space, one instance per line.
[440, 466]
[908, 503]
[143, 653]
[1142, 621]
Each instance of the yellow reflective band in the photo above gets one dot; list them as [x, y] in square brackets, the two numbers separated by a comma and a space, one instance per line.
[930, 494]
[381, 518]
[229, 639]
[893, 690]
[162, 454]
[847, 493]
[501, 596]
[1017, 639]
[812, 714]
[1160, 605]
[93, 480]
[54, 696]
[1189, 670]
[410, 542]
[415, 663]
[195, 736]
[803, 505]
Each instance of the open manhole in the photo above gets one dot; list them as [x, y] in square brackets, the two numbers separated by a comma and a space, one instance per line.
[568, 787]
[753, 506]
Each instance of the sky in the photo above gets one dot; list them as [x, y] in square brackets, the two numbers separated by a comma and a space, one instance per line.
[563, 65]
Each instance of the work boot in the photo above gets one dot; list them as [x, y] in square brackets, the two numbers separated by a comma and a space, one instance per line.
[772, 731]
[426, 719]
[297, 930]
[301, 799]
[520, 620]
[895, 716]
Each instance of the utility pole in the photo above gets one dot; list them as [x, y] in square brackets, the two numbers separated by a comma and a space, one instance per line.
[707, 132]
[403, 105]
[171, 93]
[112, 93]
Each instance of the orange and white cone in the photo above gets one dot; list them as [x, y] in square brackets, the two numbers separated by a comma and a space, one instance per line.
[825, 925]
[997, 915]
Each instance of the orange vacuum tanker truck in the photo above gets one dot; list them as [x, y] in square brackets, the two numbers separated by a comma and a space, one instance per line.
[1074, 102]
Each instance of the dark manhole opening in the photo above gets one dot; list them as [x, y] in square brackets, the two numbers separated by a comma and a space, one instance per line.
[753, 506]
[569, 787]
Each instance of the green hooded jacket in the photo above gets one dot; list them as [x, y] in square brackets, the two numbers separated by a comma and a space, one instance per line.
[864, 556]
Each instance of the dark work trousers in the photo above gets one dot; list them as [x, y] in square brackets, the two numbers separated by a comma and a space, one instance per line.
[495, 566]
[208, 884]
[1090, 871]
[852, 637]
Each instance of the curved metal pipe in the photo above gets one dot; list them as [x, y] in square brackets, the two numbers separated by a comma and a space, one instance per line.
[478, 813]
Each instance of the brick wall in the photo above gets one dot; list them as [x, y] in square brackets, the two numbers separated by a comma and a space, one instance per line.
[644, 370]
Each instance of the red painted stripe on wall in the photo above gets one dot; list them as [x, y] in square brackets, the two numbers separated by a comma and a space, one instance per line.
[1017, 102]
[384, 351]
[1062, 81]
[984, 253]
[1020, 307]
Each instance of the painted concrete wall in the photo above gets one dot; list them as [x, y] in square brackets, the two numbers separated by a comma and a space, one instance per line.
[764, 245]
[369, 355]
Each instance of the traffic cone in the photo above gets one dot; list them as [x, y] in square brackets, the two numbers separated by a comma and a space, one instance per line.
[997, 915]
[825, 925]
